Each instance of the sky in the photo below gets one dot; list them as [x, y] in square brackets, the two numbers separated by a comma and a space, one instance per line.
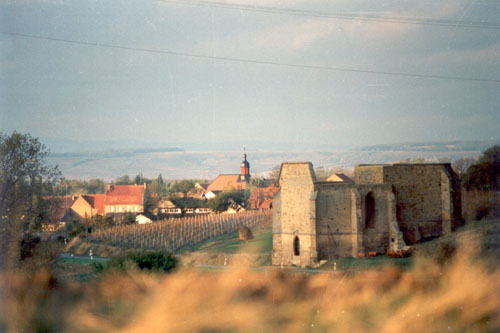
[336, 73]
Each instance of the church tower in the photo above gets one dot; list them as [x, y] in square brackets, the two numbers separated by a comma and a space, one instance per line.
[245, 168]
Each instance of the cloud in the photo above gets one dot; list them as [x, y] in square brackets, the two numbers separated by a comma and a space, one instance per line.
[487, 55]
[298, 33]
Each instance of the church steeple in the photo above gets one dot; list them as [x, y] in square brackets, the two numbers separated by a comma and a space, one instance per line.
[245, 168]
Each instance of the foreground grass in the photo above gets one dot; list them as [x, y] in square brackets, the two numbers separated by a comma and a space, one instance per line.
[462, 295]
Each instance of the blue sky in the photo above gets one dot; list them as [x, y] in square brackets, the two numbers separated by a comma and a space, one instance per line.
[84, 92]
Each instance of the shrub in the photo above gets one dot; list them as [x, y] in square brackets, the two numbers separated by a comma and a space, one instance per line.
[74, 228]
[28, 244]
[128, 218]
[151, 260]
[445, 253]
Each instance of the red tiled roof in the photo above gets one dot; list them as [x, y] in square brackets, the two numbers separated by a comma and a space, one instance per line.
[260, 195]
[61, 204]
[266, 204]
[96, 201]
[124, 195]
[227, 182]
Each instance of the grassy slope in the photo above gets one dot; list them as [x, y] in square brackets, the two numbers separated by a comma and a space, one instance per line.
[262, 243]
[487, 232]
[216, 251]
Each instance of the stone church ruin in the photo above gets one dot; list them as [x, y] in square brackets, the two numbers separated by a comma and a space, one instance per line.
[384, 208]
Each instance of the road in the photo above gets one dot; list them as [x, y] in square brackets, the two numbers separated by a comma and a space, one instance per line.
[218, 267]
[76, 256]
[266, 268]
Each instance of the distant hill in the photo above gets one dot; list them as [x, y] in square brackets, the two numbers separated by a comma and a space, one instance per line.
[111, 159]
[179, 164]
[446, 146]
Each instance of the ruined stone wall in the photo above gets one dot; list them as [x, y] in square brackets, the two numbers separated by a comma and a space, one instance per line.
[369, 174]
[334, 216]
[297, 216]
[427, 196]
[423, 199]
[376, 239]
[407, 203]
[341, 219]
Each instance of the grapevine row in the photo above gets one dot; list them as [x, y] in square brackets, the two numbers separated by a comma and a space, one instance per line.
[172, 234]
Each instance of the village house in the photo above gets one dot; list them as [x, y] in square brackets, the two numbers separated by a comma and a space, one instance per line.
[117, 199]
[87, 206]
[261, 198]
[124, 199]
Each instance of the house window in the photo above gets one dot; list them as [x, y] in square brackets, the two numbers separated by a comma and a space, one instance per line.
[135, 209]
[296, 246]
[369, 211]
[128, 209]
[120, 209]
[112, 209]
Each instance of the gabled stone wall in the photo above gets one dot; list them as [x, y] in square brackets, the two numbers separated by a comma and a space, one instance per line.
[296, 218]
[386, 204]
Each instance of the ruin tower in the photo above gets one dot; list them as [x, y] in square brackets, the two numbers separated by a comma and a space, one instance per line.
[245, 168]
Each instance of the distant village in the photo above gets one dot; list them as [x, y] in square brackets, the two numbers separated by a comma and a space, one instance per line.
[136, 204]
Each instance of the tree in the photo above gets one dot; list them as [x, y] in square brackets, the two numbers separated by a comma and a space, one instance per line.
[124, 180]
[178, 193]
[23, 177]
[257, 181]
[229, 199]
[485, 174]
[461, 165]
[274, 174]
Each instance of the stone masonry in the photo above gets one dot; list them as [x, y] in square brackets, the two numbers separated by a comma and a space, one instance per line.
[385, 208]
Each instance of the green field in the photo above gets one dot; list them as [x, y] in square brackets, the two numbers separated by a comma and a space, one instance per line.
[261, 244]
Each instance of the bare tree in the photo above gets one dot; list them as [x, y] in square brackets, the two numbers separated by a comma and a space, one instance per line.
[275, 173]
[461, 165]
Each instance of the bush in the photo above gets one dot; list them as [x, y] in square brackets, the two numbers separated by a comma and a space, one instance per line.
[74, 228]
[445, 253]
[151, 260]
[128, 218]
[28, 244]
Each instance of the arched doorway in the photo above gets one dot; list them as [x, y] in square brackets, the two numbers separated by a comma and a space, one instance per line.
[369, 211]
[296, 246]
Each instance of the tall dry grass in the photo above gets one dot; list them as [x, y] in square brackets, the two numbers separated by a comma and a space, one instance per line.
[463, 295]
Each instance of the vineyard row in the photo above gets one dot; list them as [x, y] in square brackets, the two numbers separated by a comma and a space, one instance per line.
[173, 234]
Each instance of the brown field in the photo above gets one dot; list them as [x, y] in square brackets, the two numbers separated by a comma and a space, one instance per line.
[460, 295]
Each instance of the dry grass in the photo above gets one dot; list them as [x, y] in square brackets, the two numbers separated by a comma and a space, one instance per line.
[463, 295]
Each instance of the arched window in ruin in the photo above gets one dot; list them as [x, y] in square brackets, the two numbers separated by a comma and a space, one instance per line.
[369, 211]
[296, 246]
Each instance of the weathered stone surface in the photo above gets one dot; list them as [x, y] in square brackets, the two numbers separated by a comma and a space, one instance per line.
[386, 208]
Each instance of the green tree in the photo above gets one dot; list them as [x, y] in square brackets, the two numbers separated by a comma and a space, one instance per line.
[139, 179]
[23, 176]
[124, 180]
[178, 193]
[229, 199]
[257, 181]
[485, 174]
[128, 218]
